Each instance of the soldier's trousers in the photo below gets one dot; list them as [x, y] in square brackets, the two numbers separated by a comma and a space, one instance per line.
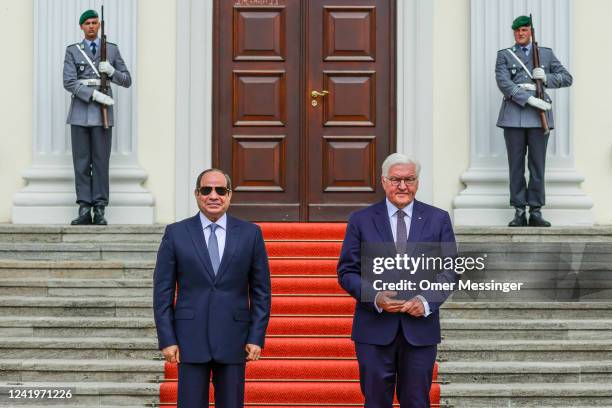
[91, 149]
[530, 142]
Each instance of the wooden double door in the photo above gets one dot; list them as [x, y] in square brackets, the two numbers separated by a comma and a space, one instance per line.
[303, 105]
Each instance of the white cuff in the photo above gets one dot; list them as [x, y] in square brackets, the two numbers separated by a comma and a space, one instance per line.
[427, 311]
[378, 309]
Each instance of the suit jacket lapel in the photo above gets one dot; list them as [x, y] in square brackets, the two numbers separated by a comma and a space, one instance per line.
[383, 226]
[197, 236]
[232, 236]
[416, 226]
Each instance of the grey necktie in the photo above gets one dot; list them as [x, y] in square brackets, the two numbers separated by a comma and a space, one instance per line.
[401, 241]
[213, 248]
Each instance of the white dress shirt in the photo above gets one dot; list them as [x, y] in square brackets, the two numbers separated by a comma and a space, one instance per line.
[392, 213]
[219, 232]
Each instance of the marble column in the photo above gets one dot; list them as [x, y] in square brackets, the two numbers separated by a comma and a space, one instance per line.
[194, 68]
[48, 196]
[485, 200]
[415, 88]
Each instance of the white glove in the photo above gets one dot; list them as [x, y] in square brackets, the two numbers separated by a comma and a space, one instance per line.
[539, 103]
[538, 73]
[102, 98]
[106, 68]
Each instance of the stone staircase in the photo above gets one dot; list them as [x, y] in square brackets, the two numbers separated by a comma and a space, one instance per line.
[75, 313]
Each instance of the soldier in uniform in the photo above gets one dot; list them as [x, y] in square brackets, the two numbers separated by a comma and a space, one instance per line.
[91, 143]
[520, 118]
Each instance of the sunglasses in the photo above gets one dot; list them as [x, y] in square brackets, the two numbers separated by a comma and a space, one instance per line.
[206, 190]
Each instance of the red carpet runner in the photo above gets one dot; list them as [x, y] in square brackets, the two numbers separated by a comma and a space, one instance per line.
[309, 359]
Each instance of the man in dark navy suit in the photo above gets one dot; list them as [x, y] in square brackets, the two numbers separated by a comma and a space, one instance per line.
[395, 340]
[220, 266]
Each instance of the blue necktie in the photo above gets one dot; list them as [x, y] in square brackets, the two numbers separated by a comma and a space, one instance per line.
[401, 234]
[93, 48]
[525, 49]
[213, 248]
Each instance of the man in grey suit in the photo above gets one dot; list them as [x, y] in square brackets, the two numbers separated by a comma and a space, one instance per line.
[91, 142]
[520, 118]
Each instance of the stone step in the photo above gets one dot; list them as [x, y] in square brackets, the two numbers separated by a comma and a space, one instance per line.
[89, 370]
[525, 310]
[81, 370]
[532, 329]
[67, 306]
[524, 350]
[499, 372]
[132, 233]
[76, 287]
[553, 234]
[449, 350]
[452, 329]
[62, 287]
[100, 348]
[56, 234]
[499, 256]
[526, 395]
[142, 307]
[84, 394]
[20, 269]
[112, 251]
[68, 327]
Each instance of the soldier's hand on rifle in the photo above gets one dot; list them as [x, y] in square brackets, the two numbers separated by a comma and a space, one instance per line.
[539, 103]
[106, 68]
[102, 98]
[538, 73]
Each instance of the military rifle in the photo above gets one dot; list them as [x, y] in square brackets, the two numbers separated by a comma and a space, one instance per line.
[103, 77]
[538, 82]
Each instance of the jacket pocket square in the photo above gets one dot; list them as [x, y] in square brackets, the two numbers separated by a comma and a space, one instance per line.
[183, 314]
[242, 316]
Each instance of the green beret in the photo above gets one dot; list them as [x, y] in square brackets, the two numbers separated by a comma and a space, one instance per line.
[86, 15]
[521, 21]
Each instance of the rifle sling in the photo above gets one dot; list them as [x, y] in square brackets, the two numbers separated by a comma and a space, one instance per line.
[521, 62]
[88, 59]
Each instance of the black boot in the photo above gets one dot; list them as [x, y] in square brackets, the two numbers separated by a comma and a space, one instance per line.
[98, 215]
[84, 217]
[535, 218]
[520, 218]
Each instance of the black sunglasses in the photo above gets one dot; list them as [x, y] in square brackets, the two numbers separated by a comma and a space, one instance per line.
[206, 190]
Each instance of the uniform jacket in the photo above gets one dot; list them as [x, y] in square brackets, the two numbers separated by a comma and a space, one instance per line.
[372, 225]
[84, 111]
[515, 112]
[215, 316]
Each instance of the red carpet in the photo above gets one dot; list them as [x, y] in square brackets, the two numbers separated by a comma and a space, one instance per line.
[309, 359]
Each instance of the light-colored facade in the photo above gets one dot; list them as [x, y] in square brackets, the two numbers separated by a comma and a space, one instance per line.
[447, 107]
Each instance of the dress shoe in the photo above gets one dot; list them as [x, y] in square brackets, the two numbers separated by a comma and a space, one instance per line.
[536, 220]
[520, 218]
[84, 217]
[98, 215]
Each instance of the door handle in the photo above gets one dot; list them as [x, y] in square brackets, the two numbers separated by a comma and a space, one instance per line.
[315, 94]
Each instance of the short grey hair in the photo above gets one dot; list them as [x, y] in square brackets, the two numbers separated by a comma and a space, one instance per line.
[228, 180]
[398, 158]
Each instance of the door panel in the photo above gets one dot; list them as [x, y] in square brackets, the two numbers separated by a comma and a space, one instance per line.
[292, 156]
[256, 129]
[349, 129]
